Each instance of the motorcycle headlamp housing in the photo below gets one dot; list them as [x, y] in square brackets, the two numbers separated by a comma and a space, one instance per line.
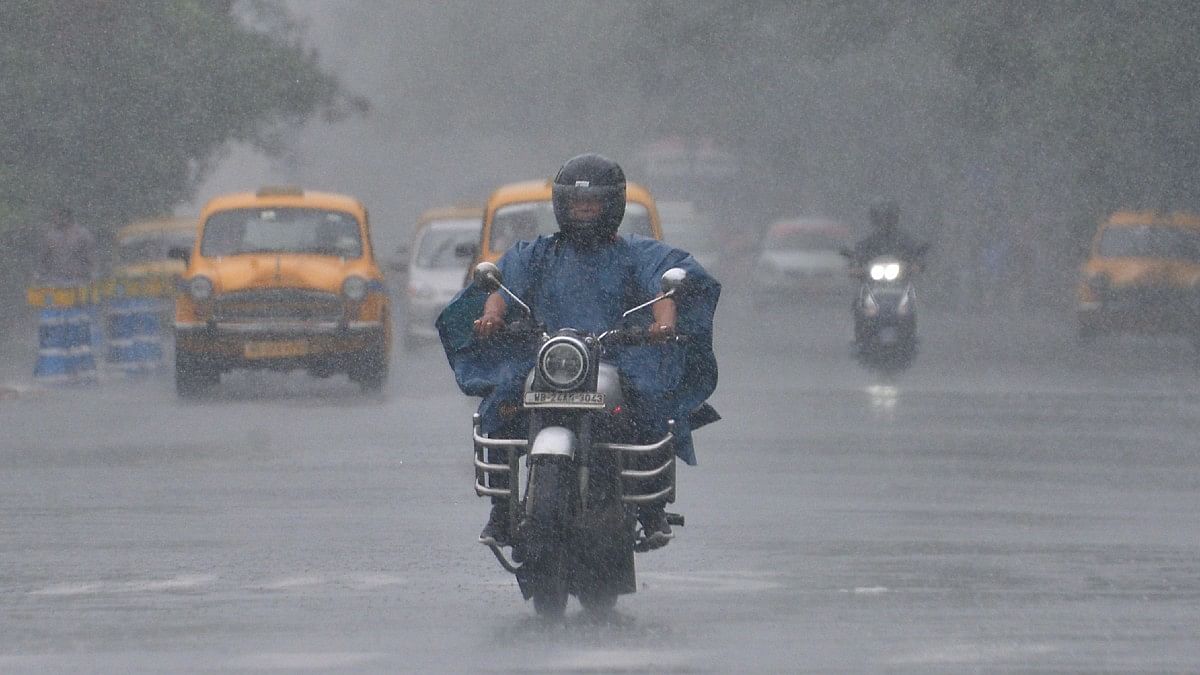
[885, 271]
[200, 288]
[563, 362]
[354, 288]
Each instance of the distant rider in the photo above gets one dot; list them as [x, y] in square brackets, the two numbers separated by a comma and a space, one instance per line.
[887, 238]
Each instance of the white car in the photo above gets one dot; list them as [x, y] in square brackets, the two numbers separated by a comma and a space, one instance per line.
[440, 256]
[798, 260]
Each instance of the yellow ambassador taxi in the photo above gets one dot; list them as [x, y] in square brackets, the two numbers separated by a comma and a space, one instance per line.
[1142, 275]
[142, 247]
[522, 211]
[282, 279]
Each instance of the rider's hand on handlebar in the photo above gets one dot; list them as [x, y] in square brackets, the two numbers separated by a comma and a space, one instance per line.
[661, 332]
[488, 325]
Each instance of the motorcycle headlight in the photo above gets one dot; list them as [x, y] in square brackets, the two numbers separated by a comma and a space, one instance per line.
[563, 362]
[354, 288]
[885, 271]
[200, 288]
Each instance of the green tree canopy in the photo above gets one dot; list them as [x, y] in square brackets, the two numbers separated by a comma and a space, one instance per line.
[116, 108]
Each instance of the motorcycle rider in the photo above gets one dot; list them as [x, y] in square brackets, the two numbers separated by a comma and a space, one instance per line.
[584, 277]
[886, 238]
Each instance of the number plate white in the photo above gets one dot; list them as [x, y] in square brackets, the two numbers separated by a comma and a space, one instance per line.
[564, 399]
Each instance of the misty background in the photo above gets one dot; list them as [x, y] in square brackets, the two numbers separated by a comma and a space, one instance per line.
[1010, 126]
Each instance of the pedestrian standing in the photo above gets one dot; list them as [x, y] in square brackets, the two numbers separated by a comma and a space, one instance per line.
[66, 260]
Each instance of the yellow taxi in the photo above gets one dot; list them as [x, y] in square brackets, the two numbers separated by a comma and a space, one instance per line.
[143, 247]
[522, 211]
[282, 279]
[1142, 275]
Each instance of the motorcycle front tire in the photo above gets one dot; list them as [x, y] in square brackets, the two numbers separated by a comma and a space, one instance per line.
[547, 509]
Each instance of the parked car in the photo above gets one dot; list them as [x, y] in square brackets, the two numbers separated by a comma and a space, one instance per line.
[445, 242]
[798, 259]
[522, 211]
[686, 228]
[1142, 275]
[281, 279]
[143, 247]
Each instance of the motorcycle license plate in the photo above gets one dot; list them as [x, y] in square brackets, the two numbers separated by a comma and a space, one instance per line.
[887, 335]
[275, 350]
[564, 399]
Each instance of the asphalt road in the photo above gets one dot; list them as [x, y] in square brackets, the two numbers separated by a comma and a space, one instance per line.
[1011, 503]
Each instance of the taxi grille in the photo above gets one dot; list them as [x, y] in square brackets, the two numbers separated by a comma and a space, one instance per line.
[279, 303]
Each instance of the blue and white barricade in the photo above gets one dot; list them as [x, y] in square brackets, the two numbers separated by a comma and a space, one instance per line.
[134, 334]
[65, 346]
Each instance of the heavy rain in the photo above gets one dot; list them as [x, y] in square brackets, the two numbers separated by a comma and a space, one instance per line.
[958, 247]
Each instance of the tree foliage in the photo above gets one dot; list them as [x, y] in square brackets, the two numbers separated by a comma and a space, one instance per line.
[116, 108]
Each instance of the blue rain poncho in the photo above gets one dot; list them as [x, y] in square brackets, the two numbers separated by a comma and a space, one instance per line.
[589, 289]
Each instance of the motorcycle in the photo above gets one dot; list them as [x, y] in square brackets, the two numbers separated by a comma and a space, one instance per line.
[885, 313]
[575, 519]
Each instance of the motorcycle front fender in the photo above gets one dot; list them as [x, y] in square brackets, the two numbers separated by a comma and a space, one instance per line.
[554, 442]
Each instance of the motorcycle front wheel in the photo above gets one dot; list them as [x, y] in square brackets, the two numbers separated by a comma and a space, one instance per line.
[547, 510]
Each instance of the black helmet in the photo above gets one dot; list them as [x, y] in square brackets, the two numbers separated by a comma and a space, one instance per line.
[885, 214]
[590, 176]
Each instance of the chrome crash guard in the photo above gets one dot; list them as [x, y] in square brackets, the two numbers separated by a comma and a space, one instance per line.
[636, 483]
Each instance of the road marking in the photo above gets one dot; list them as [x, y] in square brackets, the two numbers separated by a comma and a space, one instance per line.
[865, 590]
[287, 583]
[972, 653]
[179, 583]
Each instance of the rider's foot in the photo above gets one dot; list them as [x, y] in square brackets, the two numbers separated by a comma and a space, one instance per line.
[656, 531]
[495, 533]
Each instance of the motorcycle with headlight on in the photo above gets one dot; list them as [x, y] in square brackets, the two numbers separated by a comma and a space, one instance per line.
[885, 312]
[575, 508]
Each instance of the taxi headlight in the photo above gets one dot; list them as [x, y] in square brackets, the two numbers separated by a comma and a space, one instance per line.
[563, 362]
[200, 288]
[354, 288]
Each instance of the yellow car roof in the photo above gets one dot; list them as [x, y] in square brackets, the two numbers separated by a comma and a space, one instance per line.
[283, 197]
[541, 191]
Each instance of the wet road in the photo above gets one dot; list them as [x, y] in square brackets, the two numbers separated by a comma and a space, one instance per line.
[1011, 503]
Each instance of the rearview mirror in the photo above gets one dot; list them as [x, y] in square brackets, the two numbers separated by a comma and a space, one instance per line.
[466, 250]
[179, 253]
[672, 280]
[488, 277]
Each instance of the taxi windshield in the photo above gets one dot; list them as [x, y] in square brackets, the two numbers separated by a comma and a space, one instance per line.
[282, 230]
[526, 220]
[1150, 241]
[150, 249]
[439, 246]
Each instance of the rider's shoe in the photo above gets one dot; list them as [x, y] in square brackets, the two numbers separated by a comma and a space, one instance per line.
[656, 531]
[495, 533]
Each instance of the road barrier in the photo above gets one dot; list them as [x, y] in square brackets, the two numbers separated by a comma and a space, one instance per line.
[69, 337]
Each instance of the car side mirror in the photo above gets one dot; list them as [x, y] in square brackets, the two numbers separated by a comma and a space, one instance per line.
[467, 250]
[673, 280]
[488, 277]
[179, 253]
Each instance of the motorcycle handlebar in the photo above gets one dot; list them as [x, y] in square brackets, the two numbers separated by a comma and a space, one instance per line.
[637, 337]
